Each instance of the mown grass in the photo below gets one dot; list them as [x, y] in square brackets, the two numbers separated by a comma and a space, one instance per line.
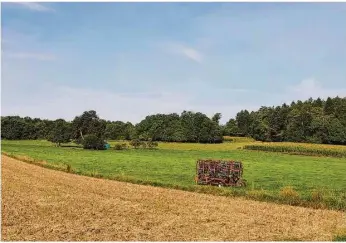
[318, 181]
[300, 149]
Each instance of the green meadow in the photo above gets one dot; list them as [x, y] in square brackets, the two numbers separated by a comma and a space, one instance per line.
[174, 165]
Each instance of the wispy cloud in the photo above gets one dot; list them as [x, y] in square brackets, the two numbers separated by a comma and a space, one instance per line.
[312, 88]
[309, 88]
[186, 51]
[34, 6]
[192, 54]
[31, 55]
[127, 108]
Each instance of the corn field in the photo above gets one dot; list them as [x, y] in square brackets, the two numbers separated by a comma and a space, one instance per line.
[301, 148]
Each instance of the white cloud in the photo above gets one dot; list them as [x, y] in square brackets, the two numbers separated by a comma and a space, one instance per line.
[19, 46]
[183, 50]
[312, 88]
[66, 102]
[30, 55]
[34, 6]
[192, 54]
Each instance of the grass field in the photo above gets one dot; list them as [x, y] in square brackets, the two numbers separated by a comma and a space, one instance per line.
[319, 181]
[39, 204]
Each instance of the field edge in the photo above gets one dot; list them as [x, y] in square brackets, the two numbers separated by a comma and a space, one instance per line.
[257, 195]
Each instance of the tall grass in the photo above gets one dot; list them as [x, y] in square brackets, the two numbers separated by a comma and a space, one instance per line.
[238, 139]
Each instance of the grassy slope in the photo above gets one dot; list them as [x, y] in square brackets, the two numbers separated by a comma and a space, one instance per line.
[176, 166]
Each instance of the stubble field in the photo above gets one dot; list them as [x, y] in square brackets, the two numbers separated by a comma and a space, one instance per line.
[46, 205]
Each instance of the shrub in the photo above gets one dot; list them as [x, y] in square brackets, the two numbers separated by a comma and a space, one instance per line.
[152, 144]
[120, 146]
[144, 144]
[136, 143]
[93, 142]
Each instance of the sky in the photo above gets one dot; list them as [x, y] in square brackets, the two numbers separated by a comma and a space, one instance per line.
[130, 60]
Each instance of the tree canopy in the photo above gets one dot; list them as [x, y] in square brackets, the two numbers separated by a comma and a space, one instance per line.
[315, 121]
[60, 133]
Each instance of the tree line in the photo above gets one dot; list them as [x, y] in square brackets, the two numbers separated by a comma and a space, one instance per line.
[188, 127]
[315, 121]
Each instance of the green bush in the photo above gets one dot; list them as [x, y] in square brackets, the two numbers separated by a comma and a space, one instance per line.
[144, 144]
[152, 144]
[93, 142]
[120, 146]
[136, 143]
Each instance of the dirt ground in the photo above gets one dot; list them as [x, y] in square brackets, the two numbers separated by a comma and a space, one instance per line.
[39, 204]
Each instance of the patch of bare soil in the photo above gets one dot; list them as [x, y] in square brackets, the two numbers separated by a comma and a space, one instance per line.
[46, 205]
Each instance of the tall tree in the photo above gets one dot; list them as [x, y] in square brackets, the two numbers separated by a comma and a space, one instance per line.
[87, 123]
[231, 128]
[328, 107]
[243, 119]
[216, 118]
[61, 132]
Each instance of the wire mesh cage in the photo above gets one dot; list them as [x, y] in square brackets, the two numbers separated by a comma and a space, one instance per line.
[219, 172]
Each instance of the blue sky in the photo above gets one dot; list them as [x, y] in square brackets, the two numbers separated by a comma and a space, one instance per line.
[129, 60]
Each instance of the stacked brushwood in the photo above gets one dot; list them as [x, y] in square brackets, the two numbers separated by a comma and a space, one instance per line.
[219, 173]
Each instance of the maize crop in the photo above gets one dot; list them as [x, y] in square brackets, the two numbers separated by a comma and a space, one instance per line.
[301, 149]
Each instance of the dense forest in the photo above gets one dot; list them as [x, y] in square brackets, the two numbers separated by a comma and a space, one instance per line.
[315, 121]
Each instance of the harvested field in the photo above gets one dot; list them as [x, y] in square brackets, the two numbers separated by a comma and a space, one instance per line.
[46, 205]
